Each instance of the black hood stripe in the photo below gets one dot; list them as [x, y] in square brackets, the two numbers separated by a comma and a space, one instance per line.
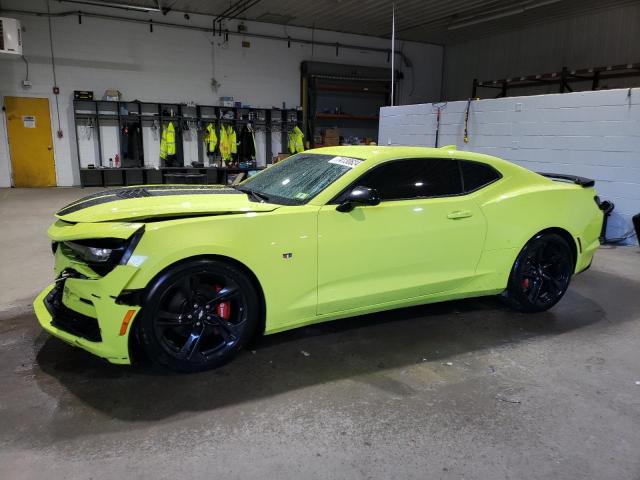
[142, 192]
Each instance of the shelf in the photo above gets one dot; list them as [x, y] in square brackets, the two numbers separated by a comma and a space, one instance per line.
[373, 90]
[342, 116]
[114, 169]
[108, 113]
[190, 167]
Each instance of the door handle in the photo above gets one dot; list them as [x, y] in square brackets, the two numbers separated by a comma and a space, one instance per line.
[49, 147]
[459, 214]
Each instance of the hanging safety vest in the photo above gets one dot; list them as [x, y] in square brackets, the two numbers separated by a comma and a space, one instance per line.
[296, 144]
[228, 145]
[210, 138]
[168, 141]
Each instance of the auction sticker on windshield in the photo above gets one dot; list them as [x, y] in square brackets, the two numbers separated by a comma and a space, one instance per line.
[346, 161]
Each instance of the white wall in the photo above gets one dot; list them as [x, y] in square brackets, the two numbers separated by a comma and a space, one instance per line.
[593, 134]
[598, 39]
[178, 65]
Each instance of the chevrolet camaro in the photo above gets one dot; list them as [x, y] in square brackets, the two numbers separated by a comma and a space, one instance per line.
[190, 274]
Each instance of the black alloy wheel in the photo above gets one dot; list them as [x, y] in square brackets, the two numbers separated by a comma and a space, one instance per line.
[198, 316]
[541, 273]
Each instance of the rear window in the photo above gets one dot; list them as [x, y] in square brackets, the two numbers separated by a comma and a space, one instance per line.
[476, 175]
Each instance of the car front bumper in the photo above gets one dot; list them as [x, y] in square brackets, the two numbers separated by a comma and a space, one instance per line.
[84, 313]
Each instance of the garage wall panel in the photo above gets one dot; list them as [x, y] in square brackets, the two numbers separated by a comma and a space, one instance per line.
[178, 65]
[607, 37]
[593, 134]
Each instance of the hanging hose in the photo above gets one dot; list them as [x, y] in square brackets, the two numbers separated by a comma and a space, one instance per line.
[466, 121]
[439, 107]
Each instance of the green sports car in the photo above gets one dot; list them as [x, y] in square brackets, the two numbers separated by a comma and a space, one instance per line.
[190, 274]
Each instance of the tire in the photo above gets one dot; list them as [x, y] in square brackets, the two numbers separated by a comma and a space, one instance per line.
[198, 315]
[541, 274]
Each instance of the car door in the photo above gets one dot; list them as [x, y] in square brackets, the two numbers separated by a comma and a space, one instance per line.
[423, 238]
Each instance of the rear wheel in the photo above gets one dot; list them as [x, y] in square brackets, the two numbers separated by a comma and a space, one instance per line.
[541, 274]
[198, 316]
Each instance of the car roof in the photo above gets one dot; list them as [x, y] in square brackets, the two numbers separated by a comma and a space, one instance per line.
[378, 154]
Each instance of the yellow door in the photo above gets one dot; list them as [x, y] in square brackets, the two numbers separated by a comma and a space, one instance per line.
[30, 142]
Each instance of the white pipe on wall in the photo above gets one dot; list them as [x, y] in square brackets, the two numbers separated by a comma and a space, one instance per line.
[393, 57]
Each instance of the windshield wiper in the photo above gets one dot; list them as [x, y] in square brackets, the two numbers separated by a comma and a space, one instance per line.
[257, 196]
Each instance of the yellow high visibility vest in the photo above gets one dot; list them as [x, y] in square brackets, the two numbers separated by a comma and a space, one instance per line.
[168, 141]
[296, 143]
[210, 138]
[228, 145]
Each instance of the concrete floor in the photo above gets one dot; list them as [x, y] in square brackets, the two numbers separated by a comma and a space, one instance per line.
[464, 389]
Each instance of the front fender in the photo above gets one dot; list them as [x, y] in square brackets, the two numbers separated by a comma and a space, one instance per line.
[279, 248]
[150, 266]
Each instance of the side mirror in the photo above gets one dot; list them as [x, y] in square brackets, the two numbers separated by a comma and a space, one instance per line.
[359, 196]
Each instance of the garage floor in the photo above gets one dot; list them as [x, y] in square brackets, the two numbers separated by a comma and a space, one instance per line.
[459, 390]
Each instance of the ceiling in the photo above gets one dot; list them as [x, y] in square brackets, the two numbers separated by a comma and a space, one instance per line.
[434, 21]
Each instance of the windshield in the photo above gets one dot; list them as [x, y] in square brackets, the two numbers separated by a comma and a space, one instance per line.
[297, 179]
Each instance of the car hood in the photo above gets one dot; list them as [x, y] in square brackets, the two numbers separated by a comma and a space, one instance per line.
[141, 203]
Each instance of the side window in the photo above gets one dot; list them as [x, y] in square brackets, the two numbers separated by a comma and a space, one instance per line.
[476, 175]
[414, 178]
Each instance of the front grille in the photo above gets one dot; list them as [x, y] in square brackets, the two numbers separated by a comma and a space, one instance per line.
[68, 320]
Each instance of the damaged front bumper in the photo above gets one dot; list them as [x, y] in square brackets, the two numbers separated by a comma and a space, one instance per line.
[81, 312]
[83, 308]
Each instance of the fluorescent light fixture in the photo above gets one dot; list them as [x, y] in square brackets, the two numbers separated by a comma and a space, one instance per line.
[474, 20]
[123, 6]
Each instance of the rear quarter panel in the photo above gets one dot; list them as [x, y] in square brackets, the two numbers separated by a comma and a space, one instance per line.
[526, 204]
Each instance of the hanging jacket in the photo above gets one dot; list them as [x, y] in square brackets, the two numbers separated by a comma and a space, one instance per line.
[133, 156]
[210, 138]
[168, 141]
[296, 144]
[228, 145]
[247, 144]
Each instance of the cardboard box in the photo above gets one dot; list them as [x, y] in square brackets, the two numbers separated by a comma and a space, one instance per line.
[112, 95]
[226, 102]
[331, 141]
[331, 132]
[281, 156]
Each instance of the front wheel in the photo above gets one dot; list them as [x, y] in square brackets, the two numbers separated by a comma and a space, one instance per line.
[541, 274]
[198, 315]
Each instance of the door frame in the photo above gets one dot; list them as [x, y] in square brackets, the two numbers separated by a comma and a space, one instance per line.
[4, 131]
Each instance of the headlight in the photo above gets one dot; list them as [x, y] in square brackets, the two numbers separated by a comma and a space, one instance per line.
[102, 254]
[92, 254]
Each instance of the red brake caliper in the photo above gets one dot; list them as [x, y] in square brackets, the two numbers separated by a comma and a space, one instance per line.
[223, 309]
[525, 283]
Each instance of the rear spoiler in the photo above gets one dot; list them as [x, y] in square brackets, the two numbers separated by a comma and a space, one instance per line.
[582, 181]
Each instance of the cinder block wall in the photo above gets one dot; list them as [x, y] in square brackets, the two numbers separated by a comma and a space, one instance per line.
[593, 134]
